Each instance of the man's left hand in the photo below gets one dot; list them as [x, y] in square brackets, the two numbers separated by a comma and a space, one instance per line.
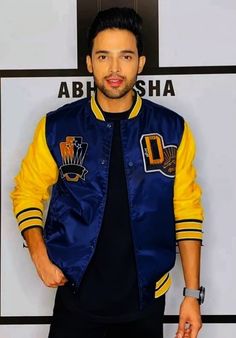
[190, 321]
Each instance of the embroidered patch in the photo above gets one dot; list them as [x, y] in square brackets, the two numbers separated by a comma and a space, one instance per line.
[157, 156]
[73, 151]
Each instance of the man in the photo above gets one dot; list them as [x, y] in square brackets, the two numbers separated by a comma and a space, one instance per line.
[123, 193]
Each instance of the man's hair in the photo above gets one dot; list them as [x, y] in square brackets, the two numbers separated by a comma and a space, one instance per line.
[117, 17]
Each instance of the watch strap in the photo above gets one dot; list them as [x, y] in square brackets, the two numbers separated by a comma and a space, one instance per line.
[199, 294]
[191, 292]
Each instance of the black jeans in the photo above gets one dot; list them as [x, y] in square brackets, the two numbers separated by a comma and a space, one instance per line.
[68, 322]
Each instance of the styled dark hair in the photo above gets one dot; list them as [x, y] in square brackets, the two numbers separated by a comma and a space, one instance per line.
[117, 17]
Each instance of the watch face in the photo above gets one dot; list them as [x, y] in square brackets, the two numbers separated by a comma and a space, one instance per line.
[201, 294]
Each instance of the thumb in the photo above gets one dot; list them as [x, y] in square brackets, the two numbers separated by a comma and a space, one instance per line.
[181, 328]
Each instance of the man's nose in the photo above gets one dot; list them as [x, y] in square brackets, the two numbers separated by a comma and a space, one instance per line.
[115, 65]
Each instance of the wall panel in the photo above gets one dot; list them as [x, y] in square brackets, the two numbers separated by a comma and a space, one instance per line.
[193, 45]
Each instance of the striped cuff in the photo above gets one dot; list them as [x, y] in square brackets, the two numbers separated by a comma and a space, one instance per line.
[188, 229]
[29, 217]
[162, 285]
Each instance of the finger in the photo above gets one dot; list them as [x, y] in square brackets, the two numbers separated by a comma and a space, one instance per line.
[58, 281]
[194, 331]
[56, 284]
[59, 276]
[181, 328]
[61, 284]
[179, 334]
[51, 285]
[187, 333]
[63, 281]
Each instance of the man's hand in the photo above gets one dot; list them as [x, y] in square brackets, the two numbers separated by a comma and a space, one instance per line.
[49, 273]
[189, 318]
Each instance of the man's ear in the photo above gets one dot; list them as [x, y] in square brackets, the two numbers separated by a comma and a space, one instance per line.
[89, 64]
[141, 63]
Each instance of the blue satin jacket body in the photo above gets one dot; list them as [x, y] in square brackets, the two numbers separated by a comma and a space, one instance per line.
[80, 143]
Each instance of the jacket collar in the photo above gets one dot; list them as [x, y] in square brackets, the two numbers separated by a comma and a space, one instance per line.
[99, 115]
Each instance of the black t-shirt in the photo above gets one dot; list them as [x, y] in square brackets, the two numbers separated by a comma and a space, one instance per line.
[109, 286]
[109, 289]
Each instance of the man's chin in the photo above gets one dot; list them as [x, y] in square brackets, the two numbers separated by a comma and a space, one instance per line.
[115, 94]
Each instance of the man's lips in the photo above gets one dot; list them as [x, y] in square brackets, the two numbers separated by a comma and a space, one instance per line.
[114, 81]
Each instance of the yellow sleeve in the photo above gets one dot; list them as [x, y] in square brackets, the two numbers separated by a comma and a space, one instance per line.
[37, 173]
[187, 193]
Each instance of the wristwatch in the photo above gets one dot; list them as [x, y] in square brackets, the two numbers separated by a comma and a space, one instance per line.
[196, 293]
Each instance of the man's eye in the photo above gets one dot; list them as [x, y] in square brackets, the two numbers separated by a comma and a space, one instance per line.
[102, 57]
[127, 57]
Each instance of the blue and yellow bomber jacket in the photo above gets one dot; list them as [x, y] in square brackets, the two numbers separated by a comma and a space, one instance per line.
[70, 152]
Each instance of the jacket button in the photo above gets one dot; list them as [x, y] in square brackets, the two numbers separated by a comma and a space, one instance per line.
[108, 125]
[130, 164]
[103, 161]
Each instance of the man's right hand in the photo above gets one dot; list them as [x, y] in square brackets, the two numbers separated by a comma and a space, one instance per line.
[49, 273]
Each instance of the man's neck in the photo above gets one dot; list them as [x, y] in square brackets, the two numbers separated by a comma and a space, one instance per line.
[115, 105]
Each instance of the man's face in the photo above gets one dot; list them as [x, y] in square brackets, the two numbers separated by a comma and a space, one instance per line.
[115, 62]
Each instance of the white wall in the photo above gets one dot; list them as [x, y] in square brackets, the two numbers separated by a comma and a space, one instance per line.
[42, 35]
[197, 33]
[38, 34]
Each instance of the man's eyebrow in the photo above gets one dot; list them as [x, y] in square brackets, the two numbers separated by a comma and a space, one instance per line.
[128, 51]
[122, 51]
[101, 51]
